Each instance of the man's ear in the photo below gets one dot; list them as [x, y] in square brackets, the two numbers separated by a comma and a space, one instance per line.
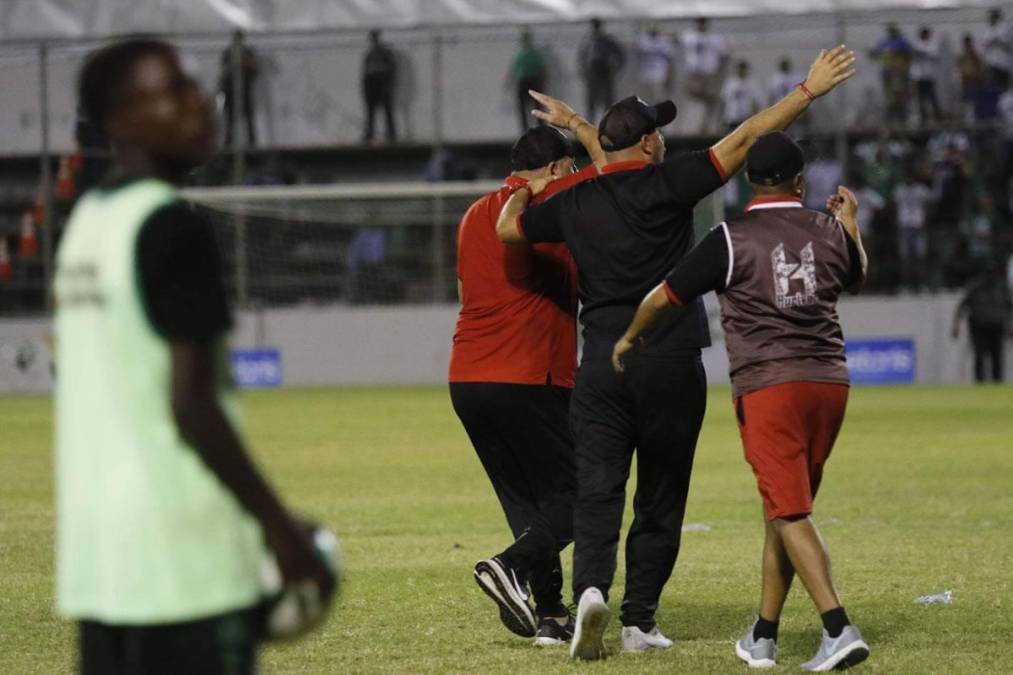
[645, 144]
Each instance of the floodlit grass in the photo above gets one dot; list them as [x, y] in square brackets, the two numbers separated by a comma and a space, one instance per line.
[917, 499]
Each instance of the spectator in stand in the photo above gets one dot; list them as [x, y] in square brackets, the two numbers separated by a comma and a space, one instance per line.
[656, 60]
[989, 308]
[972, 78]
[527, 71]
[870, 203]
[979, 229]
[879, 167]
[910, 197]
[924, 71]
[368, 278]
[822, 176]
[706, 56]
[741, 97]
[599, 60]
[248, 68]
[949, 185]
[951, 179]
[782, 82]
[894, 55]
[1005, 172]
[379, 72]
[998, 50]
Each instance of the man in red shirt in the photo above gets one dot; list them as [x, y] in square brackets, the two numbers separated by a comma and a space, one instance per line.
[512, 369]
[778, 270]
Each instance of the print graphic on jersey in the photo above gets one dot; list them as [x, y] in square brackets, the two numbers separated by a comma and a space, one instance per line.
[786, 272]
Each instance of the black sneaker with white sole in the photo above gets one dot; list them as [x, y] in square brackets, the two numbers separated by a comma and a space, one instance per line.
[500, 583]
[551, 632]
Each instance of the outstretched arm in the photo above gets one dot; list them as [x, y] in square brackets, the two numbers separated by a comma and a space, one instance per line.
[559, 114]
[828, 70]
[655, 304]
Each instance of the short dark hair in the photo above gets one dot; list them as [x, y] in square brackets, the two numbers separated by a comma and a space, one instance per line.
[106, 71]
[538, 147]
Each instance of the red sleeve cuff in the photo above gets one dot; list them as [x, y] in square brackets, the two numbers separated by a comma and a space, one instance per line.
[672, 297]
[517, 224]
[717, 164]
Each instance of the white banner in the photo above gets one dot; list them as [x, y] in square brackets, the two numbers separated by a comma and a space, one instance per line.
[26, 356]
[37, 19]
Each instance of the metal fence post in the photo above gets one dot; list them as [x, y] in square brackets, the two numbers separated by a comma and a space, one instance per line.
[439, 206]
[843, 110]
[237, 75]
[46, 179]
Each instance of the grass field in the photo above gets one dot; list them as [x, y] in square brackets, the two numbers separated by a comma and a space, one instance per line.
[918, 499]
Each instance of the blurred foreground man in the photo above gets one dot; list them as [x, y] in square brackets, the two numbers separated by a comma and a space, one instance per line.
[511, 372]
[778, 270]
[162, 517]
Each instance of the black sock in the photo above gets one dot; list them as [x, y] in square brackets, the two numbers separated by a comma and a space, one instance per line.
[834, 621]
[765, 630]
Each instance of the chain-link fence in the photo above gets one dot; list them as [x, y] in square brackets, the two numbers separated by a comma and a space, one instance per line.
[452, 91]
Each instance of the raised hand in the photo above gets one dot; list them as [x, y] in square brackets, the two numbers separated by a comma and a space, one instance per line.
[557, 113]
[830, 69]
[843, 204]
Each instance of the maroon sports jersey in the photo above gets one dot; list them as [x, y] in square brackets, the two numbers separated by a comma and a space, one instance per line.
[784, 267]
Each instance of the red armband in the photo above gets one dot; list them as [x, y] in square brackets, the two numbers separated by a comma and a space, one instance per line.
[805, 90]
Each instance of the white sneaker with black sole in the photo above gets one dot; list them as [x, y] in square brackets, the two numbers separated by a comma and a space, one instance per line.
[636, 640]
[592, 618]
[500, 583]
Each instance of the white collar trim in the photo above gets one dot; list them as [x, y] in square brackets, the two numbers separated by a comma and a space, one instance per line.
[775, 205]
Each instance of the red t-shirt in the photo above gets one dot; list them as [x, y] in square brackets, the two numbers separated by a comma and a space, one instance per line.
[517, 323]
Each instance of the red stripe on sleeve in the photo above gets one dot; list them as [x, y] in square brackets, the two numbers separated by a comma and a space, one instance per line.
[672, 297]
[717, 164]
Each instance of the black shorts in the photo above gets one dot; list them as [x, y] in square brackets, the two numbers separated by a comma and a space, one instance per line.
[224, 644]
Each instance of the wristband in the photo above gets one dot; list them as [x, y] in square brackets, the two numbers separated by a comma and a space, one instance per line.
[805, 90]
[570, 119]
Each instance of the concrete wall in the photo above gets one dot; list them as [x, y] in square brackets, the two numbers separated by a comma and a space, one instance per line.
[336, 346]
[412, 345]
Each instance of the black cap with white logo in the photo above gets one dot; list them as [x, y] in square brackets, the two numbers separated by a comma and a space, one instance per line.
[773, 159]
[626, 122]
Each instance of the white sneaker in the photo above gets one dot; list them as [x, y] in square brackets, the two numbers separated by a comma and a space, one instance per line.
[592, 617]
[636, 640]
[845, 650]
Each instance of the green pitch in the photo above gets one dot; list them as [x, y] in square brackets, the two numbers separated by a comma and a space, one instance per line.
[917, 499]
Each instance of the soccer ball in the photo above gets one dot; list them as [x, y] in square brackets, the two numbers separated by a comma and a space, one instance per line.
[293, 610]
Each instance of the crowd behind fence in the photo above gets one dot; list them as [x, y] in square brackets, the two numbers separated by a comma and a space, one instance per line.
[932, 163]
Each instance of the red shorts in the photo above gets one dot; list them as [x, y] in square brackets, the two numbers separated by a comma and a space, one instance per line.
[788, 431]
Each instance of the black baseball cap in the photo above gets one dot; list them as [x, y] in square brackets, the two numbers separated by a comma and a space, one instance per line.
[538, 147]
[626, 122]
[773, 159]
